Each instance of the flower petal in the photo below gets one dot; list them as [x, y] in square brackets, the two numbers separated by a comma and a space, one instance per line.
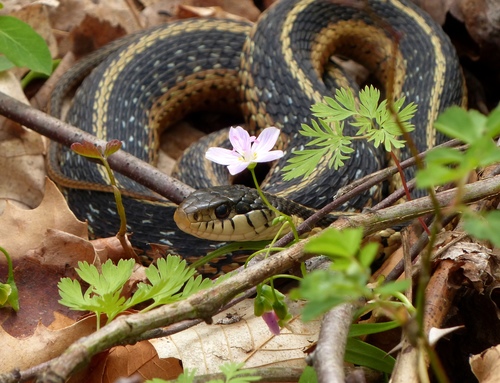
[269, 156]
[237, 167]
[240, 139]
[266, 140]
[222, 156]
[271, 320]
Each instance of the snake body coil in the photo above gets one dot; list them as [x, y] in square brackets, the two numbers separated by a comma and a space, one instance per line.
[274, 71]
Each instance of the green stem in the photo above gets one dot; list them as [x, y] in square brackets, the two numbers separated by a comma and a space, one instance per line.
[268, 204]
[13, 298]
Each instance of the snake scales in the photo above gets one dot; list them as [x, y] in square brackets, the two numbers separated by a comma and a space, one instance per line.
[272, 71]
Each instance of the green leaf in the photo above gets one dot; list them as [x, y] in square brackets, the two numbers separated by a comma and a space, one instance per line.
[483, 226]
[364, 354]
[368, 253]
[234, 374]
[170, 281]
[360, 329]
[112, 147]
[457, 123]
[308, 375]
[12, 297]
[439, 170]
[23, 46]
[369, 100]
[390, 288]
[335, 243]
[110, 279]
[5, 63]
[5, 291]
[493, 123]
[87, 149]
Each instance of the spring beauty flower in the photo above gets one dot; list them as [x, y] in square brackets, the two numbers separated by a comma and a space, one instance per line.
[247, 149]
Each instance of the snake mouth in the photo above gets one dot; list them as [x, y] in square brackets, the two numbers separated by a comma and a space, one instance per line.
[182, 221]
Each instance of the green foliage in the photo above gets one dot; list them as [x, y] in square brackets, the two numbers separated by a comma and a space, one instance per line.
[374, 121]
[364, 354]
[483, 226]
[9, 294]
[170, 281]
[232, 371]
[105, 287]
[104, 293]
[308, 375]
[21, 46]
[444, 165]
[346, 279]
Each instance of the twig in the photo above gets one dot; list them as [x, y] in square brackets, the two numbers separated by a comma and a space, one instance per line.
[330, 350]
[207, 303]
[121, 161]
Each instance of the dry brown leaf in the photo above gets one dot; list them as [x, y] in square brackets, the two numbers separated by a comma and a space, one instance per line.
[206, 347]
[22, 230]
[40, 347]
[94, 32]
[21, 155]
[37, 275]
[482, 20]
[486, 365]
[124, 361]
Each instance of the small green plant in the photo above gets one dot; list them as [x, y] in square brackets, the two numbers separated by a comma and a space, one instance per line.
[374, 122]
[346, 281]
[171, 280]
[445, 165]
[232, 371]
[347, 278]
[21, 46]
[89, 150]
[9, 295]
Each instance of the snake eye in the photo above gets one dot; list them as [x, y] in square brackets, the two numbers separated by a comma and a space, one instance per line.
[222, 211]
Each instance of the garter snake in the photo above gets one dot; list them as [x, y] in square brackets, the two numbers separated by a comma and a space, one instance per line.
[273, 72]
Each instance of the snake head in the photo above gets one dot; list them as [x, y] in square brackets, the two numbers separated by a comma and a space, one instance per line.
[226, 213]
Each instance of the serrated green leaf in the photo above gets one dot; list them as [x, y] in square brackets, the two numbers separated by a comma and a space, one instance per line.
[364, 354]
[369, 100]
[23, 46]
[112, 277]
[72, 296]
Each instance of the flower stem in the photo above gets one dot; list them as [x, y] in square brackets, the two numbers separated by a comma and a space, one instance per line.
[268, 204]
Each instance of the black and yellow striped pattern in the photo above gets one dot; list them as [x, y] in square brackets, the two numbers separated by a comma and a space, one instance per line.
[272, 72]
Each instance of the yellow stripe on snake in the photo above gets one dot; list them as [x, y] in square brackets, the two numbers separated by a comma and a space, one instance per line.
[272, 72]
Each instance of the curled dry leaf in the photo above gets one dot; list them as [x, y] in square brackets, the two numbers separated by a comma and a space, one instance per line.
[486, 365]
[22, 230]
